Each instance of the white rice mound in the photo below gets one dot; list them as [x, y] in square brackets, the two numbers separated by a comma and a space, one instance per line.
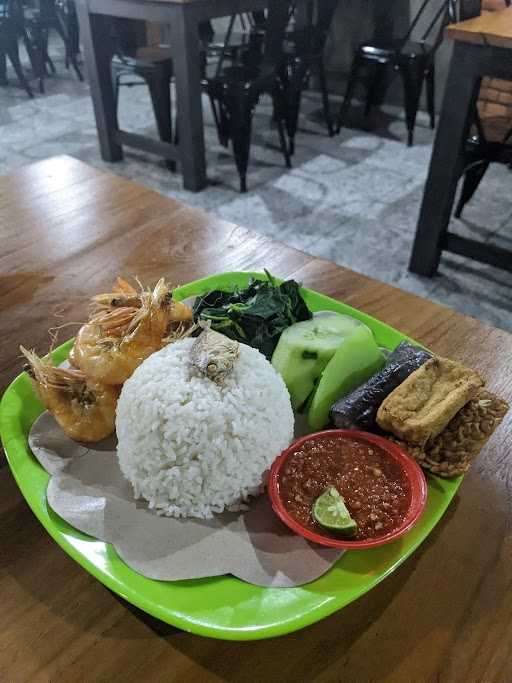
[191, 447]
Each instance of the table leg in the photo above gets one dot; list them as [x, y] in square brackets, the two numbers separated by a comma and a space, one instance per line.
[3, 68]
[445, 165]
[187, 73]
[95, 32]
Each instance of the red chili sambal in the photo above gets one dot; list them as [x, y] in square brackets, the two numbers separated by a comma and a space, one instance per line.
[375, 489]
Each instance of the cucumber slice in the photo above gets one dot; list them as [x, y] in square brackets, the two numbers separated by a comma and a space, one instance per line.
[330, 511]
[356, 359]
[305, 348]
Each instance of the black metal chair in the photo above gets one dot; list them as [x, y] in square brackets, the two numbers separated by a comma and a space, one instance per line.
[304, 57]
[412, 59]
[490, 142]
[481, 152]
[11, 30]
[231, 45]
[41, 17]
[229, 48]
[151, 63]
[235, 91]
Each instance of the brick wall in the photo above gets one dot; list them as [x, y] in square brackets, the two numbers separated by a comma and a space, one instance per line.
[495, 100]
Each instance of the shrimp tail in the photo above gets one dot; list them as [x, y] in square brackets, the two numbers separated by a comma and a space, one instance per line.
[36, 367]
[47, 375]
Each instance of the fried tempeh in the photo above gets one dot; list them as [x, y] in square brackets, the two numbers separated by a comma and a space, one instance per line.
[452, 452]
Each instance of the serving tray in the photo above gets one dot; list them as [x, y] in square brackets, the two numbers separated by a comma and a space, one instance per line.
[222, 607]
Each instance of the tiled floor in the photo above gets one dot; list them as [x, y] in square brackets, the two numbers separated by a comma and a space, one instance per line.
[353, 198]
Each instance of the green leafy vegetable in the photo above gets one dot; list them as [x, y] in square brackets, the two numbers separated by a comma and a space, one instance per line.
[256, 315]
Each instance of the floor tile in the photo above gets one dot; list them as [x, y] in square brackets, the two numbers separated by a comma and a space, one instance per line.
[353, 198]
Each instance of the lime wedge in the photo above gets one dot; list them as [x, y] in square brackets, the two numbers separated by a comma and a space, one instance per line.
[330, 511]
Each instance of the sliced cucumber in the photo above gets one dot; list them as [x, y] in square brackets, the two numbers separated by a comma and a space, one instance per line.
[305, 348]
[356, 359]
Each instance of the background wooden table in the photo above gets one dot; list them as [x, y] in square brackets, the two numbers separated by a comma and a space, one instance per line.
[66, 231]
[490, 28]
[483, 47]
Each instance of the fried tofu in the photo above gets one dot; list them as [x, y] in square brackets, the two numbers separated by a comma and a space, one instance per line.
[423, 405]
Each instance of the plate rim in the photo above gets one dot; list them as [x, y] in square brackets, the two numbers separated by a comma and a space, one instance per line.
[11, 444]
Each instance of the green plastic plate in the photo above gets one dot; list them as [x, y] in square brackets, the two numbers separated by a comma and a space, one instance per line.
[222, 607]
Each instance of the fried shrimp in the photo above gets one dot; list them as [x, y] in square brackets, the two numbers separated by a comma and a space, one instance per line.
[85, 409]
[116, 340]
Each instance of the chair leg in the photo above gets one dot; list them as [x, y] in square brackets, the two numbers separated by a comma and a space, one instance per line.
[59, 27]
[431, 99]
[67, 32]
[220, 123]
[224, 122]
[412, 78]
[293, 100]
[472, 179]
[349, 93]
[292, 89]
[240, 108]
[160, 91]
[325, 96]
[43, 37]
[374, 87]
[73, 39]
[48, 59]
[14, 58]
[31, 52]
[279, 101]
[3, 69]
[282, 143]
[39, 55]
[115, 79]
[76, 67]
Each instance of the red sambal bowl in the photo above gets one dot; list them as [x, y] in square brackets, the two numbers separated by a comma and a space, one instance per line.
[410, 468]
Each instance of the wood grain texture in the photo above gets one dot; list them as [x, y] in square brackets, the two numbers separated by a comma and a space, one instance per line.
[490, 28]
[67, 230]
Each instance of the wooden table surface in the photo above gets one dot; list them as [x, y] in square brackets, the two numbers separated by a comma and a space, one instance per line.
[66, 231]
[490, 28]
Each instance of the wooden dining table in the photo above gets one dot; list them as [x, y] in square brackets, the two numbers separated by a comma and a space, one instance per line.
[67, 230]
[482, 47]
